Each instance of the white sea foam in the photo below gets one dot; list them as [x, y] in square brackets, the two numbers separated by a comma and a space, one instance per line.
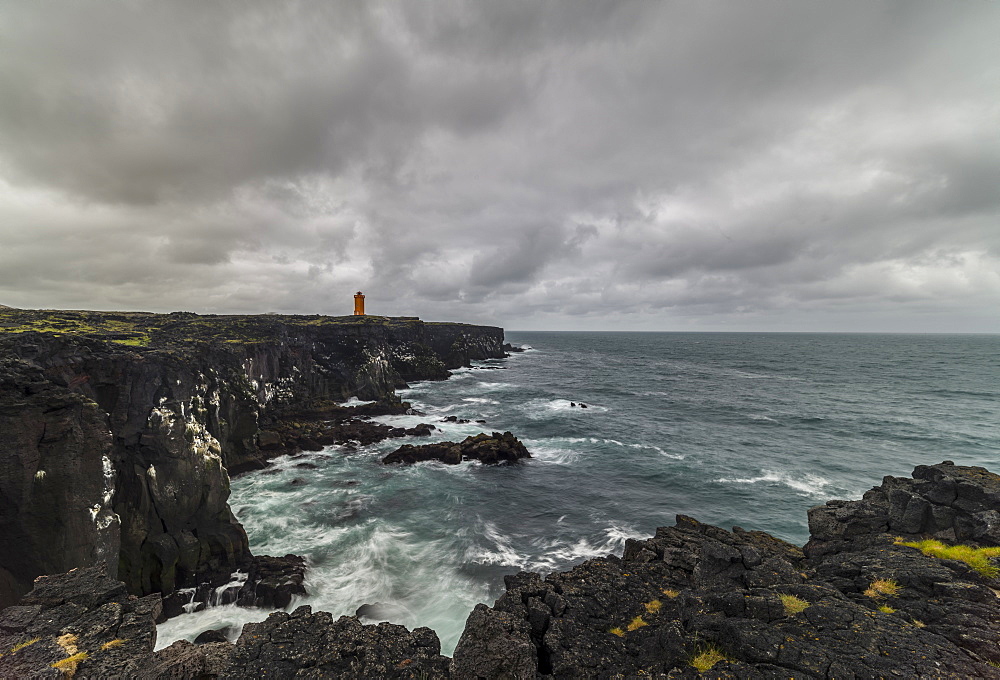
[480, 400]
[806, 484]
[558, 553]
[552, 454]
[552, 448]
[546, 408]
[229, 617]
[354, 401]
[492, 386]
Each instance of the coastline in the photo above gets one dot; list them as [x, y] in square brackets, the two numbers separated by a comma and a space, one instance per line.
[730, 588]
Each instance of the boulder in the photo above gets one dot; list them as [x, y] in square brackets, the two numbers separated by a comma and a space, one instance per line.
[310, 644]
[489, 449]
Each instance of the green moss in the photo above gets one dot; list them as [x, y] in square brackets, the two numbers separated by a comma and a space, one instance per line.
[977, 558]
[138, 341]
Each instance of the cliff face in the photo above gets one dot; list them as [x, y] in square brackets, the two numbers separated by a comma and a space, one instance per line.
[156, 409]
[56, 481]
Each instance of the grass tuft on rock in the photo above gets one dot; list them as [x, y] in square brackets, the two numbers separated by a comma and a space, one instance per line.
[886, 609]
[670, 592]
[110, 644]
[880, 588]
[636, 623]
[977, 558]
[617, 631]
[69, 664]
[706, 657]
[793, 605]
[653, 606]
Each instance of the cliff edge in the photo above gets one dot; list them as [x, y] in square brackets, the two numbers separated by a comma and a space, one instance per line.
[119, 428]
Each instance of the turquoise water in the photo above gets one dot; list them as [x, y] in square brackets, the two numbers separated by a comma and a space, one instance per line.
[732, 428]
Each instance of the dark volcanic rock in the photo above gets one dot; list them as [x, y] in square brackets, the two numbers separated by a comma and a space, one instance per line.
[186, 661]
[488, 449]
[307, 644]
[143, 416]
[760, 601]
[56, 481]
[81, 612]
[272, 582]
[210, 636]
[949, 502]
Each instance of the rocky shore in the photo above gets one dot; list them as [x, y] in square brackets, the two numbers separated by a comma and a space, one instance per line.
[120, 430]
[872, 594]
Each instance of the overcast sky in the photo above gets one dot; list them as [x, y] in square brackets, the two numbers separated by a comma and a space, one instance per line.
[697, 165]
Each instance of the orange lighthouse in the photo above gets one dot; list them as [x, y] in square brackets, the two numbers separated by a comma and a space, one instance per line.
[359, 304]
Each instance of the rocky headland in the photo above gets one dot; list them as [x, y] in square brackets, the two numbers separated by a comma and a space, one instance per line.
[120, 430]
[880, 590]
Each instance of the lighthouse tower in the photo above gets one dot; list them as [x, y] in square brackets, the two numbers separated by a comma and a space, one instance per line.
[359, 304]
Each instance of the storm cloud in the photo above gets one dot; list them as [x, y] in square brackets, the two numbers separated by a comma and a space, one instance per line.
[689, 165]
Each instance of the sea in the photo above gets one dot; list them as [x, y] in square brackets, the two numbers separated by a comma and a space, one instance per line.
[625, 430]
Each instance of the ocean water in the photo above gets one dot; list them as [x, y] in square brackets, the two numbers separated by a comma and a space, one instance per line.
[731, 428]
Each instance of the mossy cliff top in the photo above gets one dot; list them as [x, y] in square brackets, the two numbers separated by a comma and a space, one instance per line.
[146, 329]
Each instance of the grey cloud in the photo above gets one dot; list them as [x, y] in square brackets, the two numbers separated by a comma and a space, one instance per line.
[563, 164]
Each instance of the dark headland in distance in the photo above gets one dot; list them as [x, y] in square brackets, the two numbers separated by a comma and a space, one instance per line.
[118, 433]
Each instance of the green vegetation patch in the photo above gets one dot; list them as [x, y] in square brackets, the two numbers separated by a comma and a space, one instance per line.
[882, 587]
[636, 624]
[977, 558]
[21, 645]
[793, 605]
[707, 656]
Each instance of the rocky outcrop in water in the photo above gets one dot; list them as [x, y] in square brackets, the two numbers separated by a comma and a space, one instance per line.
[119, 429]
[488, 449]
[312, 429]
[691, 601]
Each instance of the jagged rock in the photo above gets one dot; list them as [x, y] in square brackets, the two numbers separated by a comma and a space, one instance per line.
[949, 502]
[488, 449]
[307, 644]
[186, 661]
[80, 612]
[272, 582]
[188, 399]
[773, 611]
[210, 636]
